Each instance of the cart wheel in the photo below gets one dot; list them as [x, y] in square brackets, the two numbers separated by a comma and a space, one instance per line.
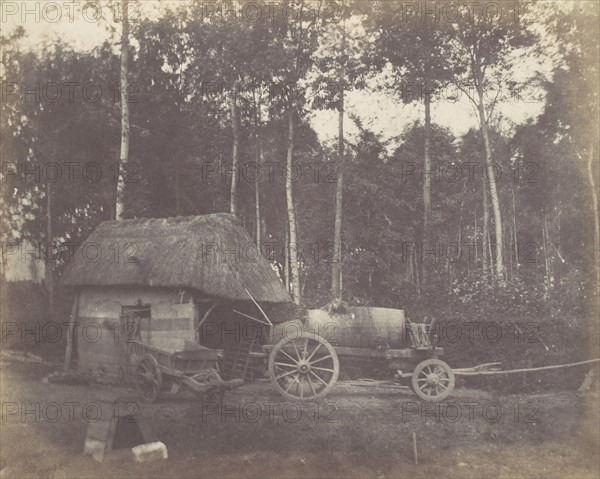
[149, 378]
[432, 380]
[303, 368]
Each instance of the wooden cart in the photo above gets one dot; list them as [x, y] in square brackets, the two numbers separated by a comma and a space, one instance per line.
[305, 366]
[155, 370]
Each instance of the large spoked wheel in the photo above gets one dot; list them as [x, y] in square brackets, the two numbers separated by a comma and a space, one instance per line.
[432, 380]
[303, 368]
[149, 378]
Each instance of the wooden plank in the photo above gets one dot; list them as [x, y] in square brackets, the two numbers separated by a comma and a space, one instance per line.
[167, 311]
[72, 320]
[169, 325]
[359, 352]
[169, 344]
[97, 320]
[161, 335]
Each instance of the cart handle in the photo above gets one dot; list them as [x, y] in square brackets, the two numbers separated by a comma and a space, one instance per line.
[252, 318]
[207, 314]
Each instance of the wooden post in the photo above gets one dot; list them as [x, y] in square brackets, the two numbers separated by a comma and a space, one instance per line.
[72, 318]
[414, 441]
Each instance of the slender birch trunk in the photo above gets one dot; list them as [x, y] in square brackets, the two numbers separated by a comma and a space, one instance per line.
[259, 163]
[485, 257]
[499, 262]
[336, 265]
[291, 210]
[49, 253]
[594, 192]
[286, 258]
[124, 156]
[235, 128]
[427, 167]
[515, 234]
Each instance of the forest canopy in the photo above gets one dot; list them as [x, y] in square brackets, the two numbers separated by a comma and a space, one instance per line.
[336, 133]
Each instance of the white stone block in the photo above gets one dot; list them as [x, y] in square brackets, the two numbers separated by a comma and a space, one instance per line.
[149, 452]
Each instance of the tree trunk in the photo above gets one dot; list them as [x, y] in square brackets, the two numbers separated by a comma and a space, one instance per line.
[259, 163]
[235, 128]
[515, 234]
[286, 258]
[593, 186]
[460, 226]
[427, 169]
[72, 321]
[485, 257]
[49, 255]
[475, 235]
[547, 269]
[336, 265]
[425, 229]
[177, 188]
[417, 277]
[293, 250]
[124, 156]
[499, 263]
[591, 374]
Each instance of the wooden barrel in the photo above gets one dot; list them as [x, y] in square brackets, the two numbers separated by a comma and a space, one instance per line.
[362, 328]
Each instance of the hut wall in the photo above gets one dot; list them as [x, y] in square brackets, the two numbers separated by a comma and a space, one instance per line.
[101, 339]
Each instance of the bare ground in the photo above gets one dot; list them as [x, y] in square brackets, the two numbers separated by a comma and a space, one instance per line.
[355, 432]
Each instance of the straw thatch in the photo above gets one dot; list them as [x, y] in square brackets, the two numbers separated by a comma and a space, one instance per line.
[212, 254]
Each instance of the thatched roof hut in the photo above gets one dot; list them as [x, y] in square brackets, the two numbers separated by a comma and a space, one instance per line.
[162, 279]
[212, 254]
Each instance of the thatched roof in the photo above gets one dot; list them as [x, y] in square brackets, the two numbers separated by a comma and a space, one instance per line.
[213, 254]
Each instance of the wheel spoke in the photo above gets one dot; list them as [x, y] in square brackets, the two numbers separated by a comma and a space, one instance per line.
[294, 381]
[312, 388]
[282, 351]
[286, 365]
[318, 377]
[296, 348]
[313, 353]
[323, 369]
[321, 359]
[305, 351]
[285, 374]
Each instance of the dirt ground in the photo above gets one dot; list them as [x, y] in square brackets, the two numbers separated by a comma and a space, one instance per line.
[355, 432]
